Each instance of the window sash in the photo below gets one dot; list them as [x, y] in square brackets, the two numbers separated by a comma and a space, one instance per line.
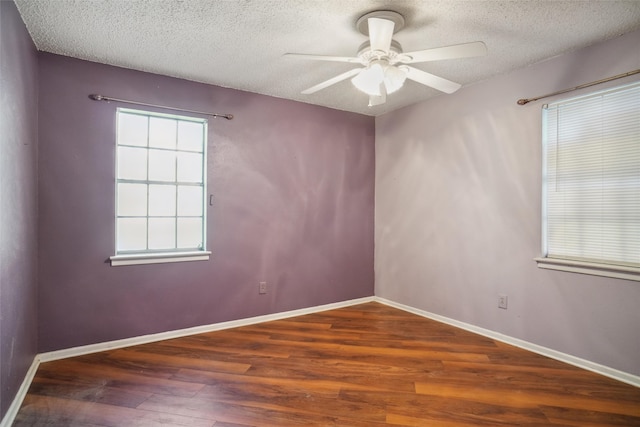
[591, 178]
[171, 219]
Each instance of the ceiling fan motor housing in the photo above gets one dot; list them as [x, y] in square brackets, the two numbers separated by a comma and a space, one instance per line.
[366, 55]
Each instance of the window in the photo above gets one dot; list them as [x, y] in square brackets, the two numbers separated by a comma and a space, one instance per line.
[591, 184]
[160, 188]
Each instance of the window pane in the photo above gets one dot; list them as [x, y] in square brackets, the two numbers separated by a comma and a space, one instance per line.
[132, 234]
[189, 200]
[132, 163]
[132, 129]
[132, 199]
[189, 167]
[162, 165]
[162, 133]
[591, 177]
[190, 136]
[162, 200]
[162, 233]
[189, 233]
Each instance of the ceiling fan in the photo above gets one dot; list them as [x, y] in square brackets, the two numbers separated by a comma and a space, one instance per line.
[384, 68]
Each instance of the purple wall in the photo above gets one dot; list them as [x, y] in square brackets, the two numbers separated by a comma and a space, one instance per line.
[18, 202]
[293, 188]
[458, 188]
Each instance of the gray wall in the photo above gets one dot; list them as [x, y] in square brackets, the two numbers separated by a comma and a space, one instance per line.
[292, 184]
[18, 202]
[458, 187]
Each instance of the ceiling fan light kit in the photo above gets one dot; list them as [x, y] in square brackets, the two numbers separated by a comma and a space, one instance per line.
[384, 68]
[378, 76]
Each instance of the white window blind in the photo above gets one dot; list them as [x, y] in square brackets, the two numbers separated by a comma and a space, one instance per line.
[591, 178]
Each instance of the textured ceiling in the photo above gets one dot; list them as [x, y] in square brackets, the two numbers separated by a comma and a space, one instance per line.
[239, 44]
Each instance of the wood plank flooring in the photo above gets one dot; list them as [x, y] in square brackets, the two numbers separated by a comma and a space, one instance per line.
[368, 365]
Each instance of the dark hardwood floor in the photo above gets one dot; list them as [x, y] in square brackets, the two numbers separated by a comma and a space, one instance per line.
[368, 365]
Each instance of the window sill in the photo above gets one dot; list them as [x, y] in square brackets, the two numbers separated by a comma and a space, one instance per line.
[594, 269]
[159, 258]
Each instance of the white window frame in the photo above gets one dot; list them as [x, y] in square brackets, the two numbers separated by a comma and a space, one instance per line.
[151, 256]
[619, 270]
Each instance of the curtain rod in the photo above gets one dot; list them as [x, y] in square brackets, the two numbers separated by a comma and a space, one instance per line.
[97, 97]
[608, 79]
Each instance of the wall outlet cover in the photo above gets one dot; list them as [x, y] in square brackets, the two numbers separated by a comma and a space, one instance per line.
[502, 301]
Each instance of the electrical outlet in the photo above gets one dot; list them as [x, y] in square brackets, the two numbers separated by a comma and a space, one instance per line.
[502, 301]
[262, 289]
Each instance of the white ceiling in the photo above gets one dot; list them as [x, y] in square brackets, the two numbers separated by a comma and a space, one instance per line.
[239, 43]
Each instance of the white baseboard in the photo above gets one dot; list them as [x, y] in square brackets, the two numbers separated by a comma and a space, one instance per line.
[144, 339]
[8, 418]
[535, 348]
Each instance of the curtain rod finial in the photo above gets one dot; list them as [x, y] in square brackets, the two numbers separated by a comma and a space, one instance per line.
[523, 101]
[96, 97]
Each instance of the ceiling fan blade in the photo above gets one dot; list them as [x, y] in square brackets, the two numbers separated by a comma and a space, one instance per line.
[350, 59]
[435, 82]
[380, 34]
[332, 81]
[465, 50]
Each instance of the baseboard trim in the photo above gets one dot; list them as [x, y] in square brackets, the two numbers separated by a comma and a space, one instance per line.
[161, 336]
[9, 417]
[535, 348]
